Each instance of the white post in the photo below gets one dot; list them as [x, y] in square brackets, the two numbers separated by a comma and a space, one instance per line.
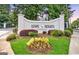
[4, 25]
[20, 22]
[61, 21]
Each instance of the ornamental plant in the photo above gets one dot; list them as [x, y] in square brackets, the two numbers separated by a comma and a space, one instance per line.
[67, 33]
[39, 45]
[33, 34]
[57, 33]
[11, 37]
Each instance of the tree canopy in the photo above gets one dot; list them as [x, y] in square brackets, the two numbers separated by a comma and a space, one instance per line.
[4, 8]
[30, 11]
[75, 24]
[4, 13]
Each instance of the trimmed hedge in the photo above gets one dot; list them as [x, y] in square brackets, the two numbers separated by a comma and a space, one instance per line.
[33, 34]
[70, 29]
[67, 33]
[26, 32]
[57, 33]
[11, 37]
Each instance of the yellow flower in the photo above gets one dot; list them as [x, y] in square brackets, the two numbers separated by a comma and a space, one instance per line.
[42, 39]
[31, 40]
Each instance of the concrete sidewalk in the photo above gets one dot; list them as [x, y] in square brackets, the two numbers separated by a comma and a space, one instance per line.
[6, 47]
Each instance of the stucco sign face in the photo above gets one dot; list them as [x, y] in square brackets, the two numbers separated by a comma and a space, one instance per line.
[40, 26]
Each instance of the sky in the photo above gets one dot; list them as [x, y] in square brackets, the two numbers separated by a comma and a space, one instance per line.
[76, 12]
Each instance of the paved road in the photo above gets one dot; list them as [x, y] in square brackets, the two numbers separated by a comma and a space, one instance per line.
[74, 44]
[5, 45]
[5, 32]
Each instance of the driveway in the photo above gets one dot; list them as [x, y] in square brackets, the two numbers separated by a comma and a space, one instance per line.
[74, 44]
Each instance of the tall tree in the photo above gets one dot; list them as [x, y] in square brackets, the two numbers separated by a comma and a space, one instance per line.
[75, 24]
[4, 8]
[4, 12]
[30, 11]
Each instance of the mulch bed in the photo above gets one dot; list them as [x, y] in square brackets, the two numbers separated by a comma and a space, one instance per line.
[39, 47]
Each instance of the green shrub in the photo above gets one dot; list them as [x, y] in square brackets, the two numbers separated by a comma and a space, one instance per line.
[11, 37]
[70, 29]
[33, 34]
[57, 33]
[67, 33]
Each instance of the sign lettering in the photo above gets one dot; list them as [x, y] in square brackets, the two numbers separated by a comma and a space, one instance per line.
[45, 26]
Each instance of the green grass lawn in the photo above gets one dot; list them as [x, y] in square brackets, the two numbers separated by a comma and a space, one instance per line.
[19, 46]
[60, 45]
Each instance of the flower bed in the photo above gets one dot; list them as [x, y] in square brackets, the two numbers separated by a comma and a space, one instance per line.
[39, 45]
